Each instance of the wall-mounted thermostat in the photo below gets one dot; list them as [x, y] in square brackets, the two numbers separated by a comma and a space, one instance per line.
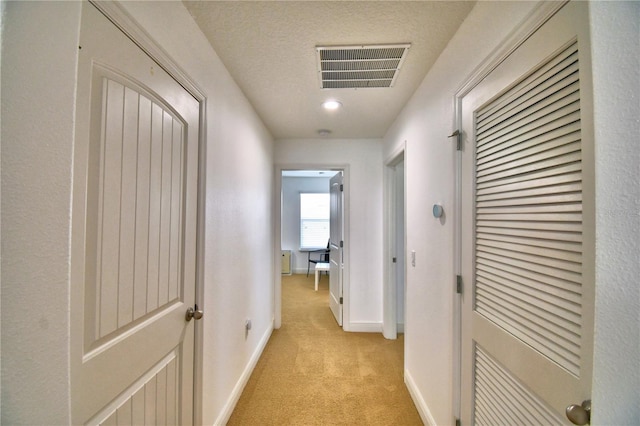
[437, 210]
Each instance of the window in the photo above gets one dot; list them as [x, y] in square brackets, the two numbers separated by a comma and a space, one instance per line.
[314, 221]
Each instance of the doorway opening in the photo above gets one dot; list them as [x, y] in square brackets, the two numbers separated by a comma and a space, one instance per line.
[395, 259]
[299, 231]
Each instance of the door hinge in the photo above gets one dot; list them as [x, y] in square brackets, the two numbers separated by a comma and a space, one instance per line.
[459, 284]
[394, 260]
[457, 422]
[341, 187]
[458, 135]
[341, 300]
[341, 243]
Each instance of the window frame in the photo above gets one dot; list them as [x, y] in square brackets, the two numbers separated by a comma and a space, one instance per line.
[302, 220]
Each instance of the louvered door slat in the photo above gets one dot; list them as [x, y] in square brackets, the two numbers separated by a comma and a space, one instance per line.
[533, 109]
[513, 165]
[549, 154]
[526, 266]
[539, 217]
[532, 191]
[533, 259]
[494, 293]
[533, 176]
[492, 393]
[503, 408]
[515, 411]
[531, 209]
[529, 82]
[502, 400]
[557, 301]
[550, 300]
[530, 87]
[540, 104]
[485, 409]
[532, 183]
[526, 165]
[526, 249]
[534, 129]
[555, 293]
[533, 242]
[534, 154]
[561, 327]
[554, 199]
[534, 276]
[558, 226]
[540, 234]
[564, 116]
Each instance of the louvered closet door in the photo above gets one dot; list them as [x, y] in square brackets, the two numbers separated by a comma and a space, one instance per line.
[527, 320]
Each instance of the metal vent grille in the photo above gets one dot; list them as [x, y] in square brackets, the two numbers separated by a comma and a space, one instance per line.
[360, 66]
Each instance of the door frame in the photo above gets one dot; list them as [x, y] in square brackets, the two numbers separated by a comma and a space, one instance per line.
[117, 14]
[390, 305]
[538, 16]
[277, 245]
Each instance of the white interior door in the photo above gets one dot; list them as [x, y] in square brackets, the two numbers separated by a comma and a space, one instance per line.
[528, 227]
[336, 247]
[134, 233]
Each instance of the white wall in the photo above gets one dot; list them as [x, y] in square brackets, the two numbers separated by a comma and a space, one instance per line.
[364, 243]
[615, 32]
[38, 87]
[39, 55]
[291, 189]
[426, 122]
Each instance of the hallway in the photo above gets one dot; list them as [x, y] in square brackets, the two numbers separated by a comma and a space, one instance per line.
[53, 195]
[312, 372]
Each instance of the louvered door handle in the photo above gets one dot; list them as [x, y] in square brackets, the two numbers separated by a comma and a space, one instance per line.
[579, 414]
[194, 313]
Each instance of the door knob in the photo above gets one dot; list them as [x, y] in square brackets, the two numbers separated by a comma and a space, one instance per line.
[194, 313]
[579, 414]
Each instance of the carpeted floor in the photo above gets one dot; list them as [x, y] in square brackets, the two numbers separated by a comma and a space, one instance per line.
[313, 373]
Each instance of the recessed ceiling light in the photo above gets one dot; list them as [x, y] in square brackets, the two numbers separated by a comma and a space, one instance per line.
[324, 132]
[331, 105]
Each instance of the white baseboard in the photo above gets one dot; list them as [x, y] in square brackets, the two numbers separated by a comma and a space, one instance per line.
[226, 412]
[364, 327]
[418, 400]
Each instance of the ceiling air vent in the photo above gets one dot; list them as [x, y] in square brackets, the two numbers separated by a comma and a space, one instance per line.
[354, 67]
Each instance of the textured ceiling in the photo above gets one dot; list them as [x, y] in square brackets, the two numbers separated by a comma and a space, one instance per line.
[269, 49]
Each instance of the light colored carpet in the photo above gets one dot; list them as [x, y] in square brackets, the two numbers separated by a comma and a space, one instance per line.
[313, 373]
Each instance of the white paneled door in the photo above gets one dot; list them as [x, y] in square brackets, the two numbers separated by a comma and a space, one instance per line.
[134, 235]
[336, 244]
[528, 227]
